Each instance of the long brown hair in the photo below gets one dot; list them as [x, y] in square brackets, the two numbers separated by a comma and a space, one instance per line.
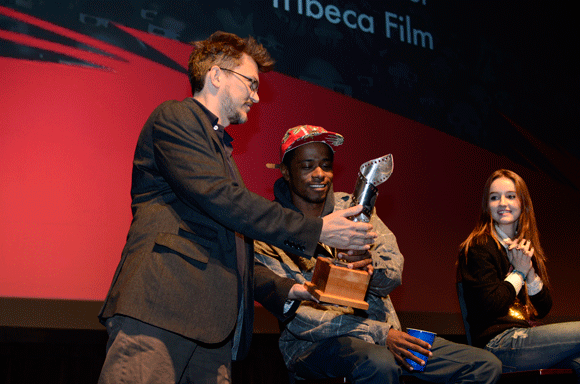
[526, 226]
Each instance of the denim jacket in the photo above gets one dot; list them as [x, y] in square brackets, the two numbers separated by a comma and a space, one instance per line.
[314, 322]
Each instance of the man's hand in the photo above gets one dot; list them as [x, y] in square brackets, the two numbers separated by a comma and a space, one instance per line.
[299, 292]
[340, 232]
[398, 342]
[361, 260]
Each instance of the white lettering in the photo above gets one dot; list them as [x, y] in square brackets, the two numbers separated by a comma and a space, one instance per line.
[286, 5]
[370, 28]
[423, 36]
[309, 13]
[346, 21]
[332, 13]
[407, 34]
[388, 16]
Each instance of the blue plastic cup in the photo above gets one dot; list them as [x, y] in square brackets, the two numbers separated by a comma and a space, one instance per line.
[425, 336]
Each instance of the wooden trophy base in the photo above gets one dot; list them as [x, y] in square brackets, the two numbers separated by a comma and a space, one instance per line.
[338, 285]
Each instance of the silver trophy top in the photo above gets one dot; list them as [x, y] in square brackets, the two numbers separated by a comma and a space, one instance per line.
[372, 173]
[377, 171]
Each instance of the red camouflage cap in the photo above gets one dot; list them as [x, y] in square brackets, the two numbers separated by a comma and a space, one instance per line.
[304, 134]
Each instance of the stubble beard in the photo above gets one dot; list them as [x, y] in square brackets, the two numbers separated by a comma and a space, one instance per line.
[233, 113]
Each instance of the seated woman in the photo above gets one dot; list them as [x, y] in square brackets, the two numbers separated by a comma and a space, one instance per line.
[506, 289]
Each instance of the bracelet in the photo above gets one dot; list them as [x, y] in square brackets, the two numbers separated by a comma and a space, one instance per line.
[520, 273]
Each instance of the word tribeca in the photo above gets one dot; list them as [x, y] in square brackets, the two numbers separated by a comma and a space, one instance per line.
[396, 26]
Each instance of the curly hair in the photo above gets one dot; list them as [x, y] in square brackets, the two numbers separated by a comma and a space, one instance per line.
[224, 50]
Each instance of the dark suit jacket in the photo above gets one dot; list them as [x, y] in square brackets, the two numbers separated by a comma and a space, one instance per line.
[178, 269]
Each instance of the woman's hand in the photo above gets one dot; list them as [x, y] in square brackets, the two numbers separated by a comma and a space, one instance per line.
[520, 255]
[531, 276]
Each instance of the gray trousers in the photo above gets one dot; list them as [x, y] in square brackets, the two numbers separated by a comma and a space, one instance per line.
[140, 353]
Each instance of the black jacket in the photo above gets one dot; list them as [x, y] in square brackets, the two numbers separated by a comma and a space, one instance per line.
[488, 297]
[179, 269]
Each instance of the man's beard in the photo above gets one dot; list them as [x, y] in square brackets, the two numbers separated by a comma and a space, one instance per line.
[233, 113]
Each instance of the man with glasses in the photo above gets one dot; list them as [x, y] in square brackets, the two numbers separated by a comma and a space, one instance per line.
[181, 302]
[254, 84]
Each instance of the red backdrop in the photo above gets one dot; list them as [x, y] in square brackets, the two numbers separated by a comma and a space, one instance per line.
[66, 143]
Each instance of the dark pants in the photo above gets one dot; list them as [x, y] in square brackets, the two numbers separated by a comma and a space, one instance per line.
[141, 353]
[363, 362]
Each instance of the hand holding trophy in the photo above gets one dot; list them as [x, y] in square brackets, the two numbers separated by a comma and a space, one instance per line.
[332, 282]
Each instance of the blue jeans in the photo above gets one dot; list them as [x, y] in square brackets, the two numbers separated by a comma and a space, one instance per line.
[544, 346]
[362, 362]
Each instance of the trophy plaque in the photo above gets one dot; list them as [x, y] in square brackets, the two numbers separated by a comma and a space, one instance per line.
[336, 284]
[332, 281]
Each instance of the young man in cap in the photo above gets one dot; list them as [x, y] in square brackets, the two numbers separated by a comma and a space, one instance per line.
[181, 301]
[334, 341]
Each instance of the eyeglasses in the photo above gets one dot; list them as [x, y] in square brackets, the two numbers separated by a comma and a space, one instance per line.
[254, 84]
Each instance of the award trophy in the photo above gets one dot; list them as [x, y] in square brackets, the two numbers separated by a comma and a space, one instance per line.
[332, 281]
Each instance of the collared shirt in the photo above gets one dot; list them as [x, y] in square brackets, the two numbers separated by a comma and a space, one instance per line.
[224, 137]
[226, 141]
[241, 256]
